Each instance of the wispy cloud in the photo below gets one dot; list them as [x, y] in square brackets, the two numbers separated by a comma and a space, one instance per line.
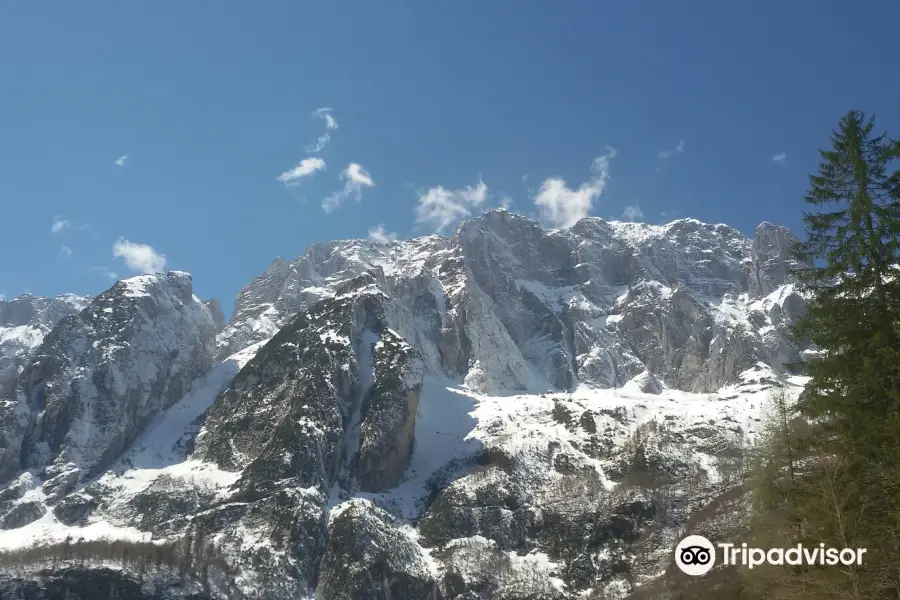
[378, 235]
[325, 114]
[440, 208]
[355, 180]
[121, 160]
[667, 154]
[319, 144]
[59, 224]
[65, 252]
[330, 125]
[305, 168]
[780, 158]
[139, 257]
[105, 272]
[632, 213]
[563, 207]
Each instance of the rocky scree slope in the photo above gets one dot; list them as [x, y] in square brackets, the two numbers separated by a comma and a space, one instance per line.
[506, 413]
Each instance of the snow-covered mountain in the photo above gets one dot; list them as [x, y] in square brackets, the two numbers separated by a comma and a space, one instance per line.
[509, 412]
[507, 305]
[24, 321]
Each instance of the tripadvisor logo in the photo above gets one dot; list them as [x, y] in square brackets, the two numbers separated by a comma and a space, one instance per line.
[696, 555]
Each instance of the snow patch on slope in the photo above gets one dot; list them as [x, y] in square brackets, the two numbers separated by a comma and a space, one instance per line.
[159, 451]
[454, 424]
[443, 427]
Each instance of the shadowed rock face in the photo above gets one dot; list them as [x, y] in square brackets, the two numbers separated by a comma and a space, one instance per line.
[369, 556]
[389, 414]
[215, 309]
[101, 374]
[24, 321]
[333, 396]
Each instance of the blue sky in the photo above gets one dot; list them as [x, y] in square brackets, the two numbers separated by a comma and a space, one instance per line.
[438, 109]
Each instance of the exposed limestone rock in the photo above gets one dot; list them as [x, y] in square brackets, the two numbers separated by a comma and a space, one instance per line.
[369, 557]
[75, 508]
[100, 375]
[215, 309]
[286, 423]
[389, 418]
[22, 514]
[59, 481]
[646, 383]
[771, 257]
[506, 305]
[24, 321]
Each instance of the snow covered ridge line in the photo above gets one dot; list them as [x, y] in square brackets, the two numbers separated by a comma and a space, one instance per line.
[504, 305]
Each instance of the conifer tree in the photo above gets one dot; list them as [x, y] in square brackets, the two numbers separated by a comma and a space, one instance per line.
[850, 254]
[852, 493]
[847, 491]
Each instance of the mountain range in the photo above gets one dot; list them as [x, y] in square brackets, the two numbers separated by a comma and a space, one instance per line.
[509, 412]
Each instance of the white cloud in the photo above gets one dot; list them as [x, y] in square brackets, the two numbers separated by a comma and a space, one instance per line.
[121, 160]
[104, 271]
[442, 208]
[330, 124]
[306, 167]
[667, 154]
[325, 114]
[562, 206]
[780, 158]
[139, 257]
[355, 179]
[65, 251]
[632, 213]
[378, 235]
[320, 143]
[59, 224]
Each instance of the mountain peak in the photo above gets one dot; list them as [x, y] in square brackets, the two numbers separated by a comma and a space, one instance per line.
[178, 282]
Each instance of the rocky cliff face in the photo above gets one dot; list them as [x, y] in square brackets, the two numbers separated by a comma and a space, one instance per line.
[388, 413]
[215, 309]
[24, 321]
[507, 413]
[505, 304]
[98, 378]
[326, 406]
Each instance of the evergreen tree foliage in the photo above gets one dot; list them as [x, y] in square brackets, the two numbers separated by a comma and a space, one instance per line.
[829, 470]
[851, 253]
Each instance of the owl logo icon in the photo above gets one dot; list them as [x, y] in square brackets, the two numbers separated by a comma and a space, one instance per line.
[695, 555]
